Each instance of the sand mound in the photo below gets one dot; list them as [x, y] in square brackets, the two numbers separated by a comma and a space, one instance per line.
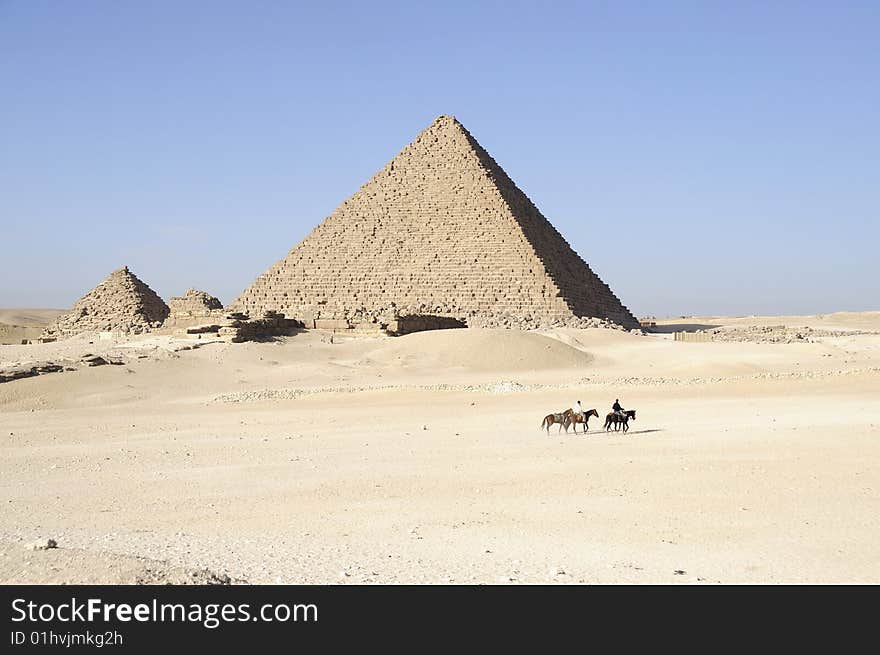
[479, 350]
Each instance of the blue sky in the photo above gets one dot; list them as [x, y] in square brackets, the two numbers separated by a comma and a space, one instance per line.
[703, 157]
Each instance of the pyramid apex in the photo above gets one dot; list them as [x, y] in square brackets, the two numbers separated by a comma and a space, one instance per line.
[446, 121]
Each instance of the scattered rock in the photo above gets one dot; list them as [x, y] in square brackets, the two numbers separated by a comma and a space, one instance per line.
[28, 369]
[94, 360]
[505, 387]
[42, 544]
[777, 334]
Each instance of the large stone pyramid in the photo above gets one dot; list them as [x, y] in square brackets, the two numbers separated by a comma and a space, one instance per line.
[121, 303]
[443, 230]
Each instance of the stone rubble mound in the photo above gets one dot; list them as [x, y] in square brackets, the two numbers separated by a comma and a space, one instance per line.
[192, 309]
[240, 328]
[237, 327]
[194, 303]
[544, 322]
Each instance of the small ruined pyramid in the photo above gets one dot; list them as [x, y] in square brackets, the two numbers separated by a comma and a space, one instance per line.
[440, 230]
[194, 302]
[120, 303]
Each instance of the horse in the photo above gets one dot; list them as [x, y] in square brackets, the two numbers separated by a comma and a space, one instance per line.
[618, 419]
[576, 417]
[560, 418]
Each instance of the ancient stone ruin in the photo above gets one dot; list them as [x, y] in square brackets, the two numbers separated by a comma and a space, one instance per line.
[243, 328]
[121, 303]
[193, 308]
[194, 303]
[440, 231]
[237, 327]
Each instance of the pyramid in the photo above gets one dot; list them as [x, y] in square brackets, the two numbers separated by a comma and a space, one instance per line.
[120, 303]
[441, 229]
[194, 302]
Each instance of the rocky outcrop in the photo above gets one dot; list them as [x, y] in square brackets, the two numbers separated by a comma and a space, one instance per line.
[28, 370]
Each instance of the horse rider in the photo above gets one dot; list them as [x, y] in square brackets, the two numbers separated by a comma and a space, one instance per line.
[579, 409]
[616, 408]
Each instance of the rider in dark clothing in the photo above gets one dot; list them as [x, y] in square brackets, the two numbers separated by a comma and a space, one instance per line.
[616, 406]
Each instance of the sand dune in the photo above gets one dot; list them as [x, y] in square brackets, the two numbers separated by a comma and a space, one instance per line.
[420, 459]
[479, 350]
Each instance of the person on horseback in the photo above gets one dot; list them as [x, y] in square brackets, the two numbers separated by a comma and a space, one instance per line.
[578, 409]
[616, 407]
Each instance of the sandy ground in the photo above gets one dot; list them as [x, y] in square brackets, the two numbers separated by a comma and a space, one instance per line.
[420, 459]
[18, 324]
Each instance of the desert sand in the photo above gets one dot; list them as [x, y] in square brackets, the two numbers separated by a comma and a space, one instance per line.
[19, 324]
[419, 458]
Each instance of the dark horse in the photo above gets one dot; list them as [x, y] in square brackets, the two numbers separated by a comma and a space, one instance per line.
[619, 418]
[575, 418]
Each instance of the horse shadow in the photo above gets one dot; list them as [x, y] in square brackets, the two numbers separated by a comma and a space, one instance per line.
[621, 432]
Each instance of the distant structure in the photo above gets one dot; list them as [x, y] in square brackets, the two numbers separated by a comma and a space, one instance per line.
[440, 231]
[193, 308]
[194, 302]
[121, 303]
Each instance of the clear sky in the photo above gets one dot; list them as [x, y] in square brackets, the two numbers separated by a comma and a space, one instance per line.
[703, 157]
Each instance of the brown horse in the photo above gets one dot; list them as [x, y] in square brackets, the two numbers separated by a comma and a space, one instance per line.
[561, 419]
[575, 418]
